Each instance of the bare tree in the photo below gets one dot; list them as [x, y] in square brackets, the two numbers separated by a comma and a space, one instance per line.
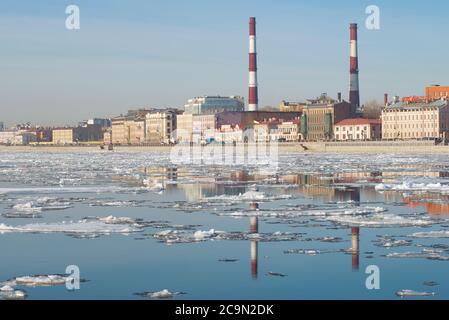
[372, 110]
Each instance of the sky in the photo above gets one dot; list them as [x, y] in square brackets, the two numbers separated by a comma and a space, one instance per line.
[159, 53]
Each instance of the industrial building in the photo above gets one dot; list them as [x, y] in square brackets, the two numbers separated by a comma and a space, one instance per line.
[423, 119]
[214, 104]
[358, 129]
[321, 114]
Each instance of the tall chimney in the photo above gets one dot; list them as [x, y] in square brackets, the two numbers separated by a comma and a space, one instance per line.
[354, 94]
[253, 99]
[386, 99]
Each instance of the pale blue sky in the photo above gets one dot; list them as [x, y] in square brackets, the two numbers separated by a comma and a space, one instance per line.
[135, 53]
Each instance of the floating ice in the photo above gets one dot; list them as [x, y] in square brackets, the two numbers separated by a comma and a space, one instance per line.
[288, 213]
[381, 221]
[425, 254]
[412, 293]
[41, 280]
[248, 196]
[407, 186]
[431, 234]
[164, 294]
[80, 227]
[9, 293]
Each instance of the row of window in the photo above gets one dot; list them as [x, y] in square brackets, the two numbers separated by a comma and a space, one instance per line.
[411, 117]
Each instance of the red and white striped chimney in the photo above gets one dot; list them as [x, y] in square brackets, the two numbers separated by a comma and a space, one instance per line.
[253, 99]
[354, 94]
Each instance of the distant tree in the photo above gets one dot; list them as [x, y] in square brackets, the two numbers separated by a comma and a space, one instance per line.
[372, 110]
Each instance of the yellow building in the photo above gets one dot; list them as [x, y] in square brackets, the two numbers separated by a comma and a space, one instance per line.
[184, 131]
[160, 126]
[128, 130]
[63, 136]
[286, 106]
[418, 120]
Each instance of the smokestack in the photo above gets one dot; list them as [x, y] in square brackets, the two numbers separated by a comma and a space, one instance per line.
[354, 94]
[386, 99]
[253, 99]
[339, 97]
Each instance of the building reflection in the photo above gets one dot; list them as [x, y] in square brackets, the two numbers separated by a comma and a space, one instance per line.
[355, 249]
[254, 229]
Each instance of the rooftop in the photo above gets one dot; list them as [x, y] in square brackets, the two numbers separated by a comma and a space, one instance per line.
[358, 121]
[418, 105]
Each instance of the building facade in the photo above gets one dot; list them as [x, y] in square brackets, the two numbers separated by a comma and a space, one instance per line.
[16, 137]
[286, 106]
[321, 114]
[88, 133]
[437, 92]
[184, 128]
[358, 130]
[160, 126]
[213, 104]
[289, 131]
[418, 120]
[128, 130]
[203, 128]
[63, 136]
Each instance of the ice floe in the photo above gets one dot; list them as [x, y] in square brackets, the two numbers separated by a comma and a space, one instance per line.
[381, 221]
[9, 293]
[83, 227]
[410, 186]
[163, 294]
[424, 254]
[412, 293]
[431, 234]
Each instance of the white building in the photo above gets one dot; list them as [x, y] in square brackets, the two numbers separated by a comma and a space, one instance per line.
[17, 137]
[358, 129]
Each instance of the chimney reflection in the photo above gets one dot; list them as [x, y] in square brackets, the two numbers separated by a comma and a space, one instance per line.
[254, 228]
[355, 248]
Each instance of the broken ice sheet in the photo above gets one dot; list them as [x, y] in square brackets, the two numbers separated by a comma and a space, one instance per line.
[182, 236]
[81, 227]
[412, 293]
[289, 213]
[164, 294]
[9, 293]
[430, 234]
[424, 254]
[381, 220]
[391, 242]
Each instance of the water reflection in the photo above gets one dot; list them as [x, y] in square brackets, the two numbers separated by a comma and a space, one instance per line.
[355, 239]
[254, 229]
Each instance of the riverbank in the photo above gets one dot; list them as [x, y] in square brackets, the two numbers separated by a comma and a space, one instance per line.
[416, 147]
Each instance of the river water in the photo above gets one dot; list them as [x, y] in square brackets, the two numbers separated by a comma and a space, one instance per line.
[137, 222]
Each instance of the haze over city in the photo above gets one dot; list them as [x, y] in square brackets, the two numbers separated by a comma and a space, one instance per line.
[158, 54]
